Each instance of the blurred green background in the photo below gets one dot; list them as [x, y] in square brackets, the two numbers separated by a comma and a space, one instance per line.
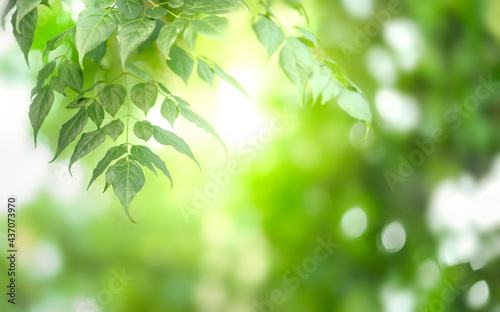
[300, 216]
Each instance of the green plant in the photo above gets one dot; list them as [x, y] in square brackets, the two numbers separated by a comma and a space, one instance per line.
[125, 27]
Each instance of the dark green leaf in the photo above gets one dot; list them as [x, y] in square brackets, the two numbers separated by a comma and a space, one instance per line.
[114, 129]
[166, 137]
[180, 63]
[143, 130]
[169, 111]
[143, 162]
[130, 8]
[144, 153]
[144, 95]
[26, 32]
[43, 74]
[70, 130]
[72, 75]
[40, 107]
[269, 34]
[58, 85]
[24, 8]
[87, 143]
[113, 153]
[96, 113]
[112, 98]
[131, 34]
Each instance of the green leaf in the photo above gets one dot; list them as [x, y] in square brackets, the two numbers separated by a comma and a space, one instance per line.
[223, 75]
[269, 34]
[26, 32]
[79, 102]
[175, 3]
[212, 7]
[190, 37]
[166, 137]
[58, 40]
[58, 85]
[169, 111]
[131, 34]
[144, 163]
[94, 26]
[308, 37]
[205, 72]
[296, 62]
[114, 129]
[130, 8]
[197, 120]
[180, 63]
[40, 107]
[98, 54]
[331, 91]
[112, 98]
[113, 153]
[144, 153]
[72, 75]
[355, 105]
[96, 113]
[70, 130]
[143, 130]
[139, 72]
[24, 7]
[127, 180]
[156, 12]
[168, 35]
[213, 27]
[87, 143]
[320, 79]
[152, 38]
[43, 74]
[144, 95]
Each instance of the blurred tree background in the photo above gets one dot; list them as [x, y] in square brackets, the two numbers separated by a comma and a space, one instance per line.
[305, 214]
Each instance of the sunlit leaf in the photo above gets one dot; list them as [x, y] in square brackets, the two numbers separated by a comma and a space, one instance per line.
[166, 137]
